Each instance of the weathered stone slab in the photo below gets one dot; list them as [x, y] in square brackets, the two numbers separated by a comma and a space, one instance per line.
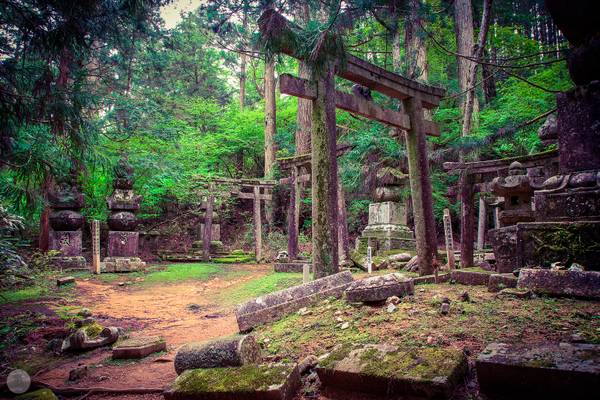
[268, 382]
[139, 347]
[498, 282]
[441, 278]
[467, 277]
[379, 288]
[288, 266]
[430, 373]
[122, 264]
[553, 371]
[275, 305]
[123, 243]
[67, 280]
[583, 284]
[231, 351]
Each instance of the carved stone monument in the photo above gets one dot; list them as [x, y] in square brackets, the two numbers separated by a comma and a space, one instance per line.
[65, 222]
[387, 228]
[122, 252]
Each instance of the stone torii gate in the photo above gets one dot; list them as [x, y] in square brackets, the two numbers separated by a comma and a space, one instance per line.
[415, 96]
[295, 165]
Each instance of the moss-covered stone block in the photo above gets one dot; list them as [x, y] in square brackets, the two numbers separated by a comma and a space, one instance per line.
[40, 394]
[269, 382]
[384, 369]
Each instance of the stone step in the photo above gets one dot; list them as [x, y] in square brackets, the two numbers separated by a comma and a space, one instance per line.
[248, 382]
[549, 371]
[138, 347]
[430, 373]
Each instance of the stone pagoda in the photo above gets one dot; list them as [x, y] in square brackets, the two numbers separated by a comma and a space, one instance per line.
[65, 223]
[122, 252]
[387, 228]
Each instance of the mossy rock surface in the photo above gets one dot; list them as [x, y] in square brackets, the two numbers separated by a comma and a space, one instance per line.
[430, 372]
[40, 394]
[250, 381]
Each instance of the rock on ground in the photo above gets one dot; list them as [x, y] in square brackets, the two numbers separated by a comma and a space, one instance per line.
[379, 288]
[582, 284]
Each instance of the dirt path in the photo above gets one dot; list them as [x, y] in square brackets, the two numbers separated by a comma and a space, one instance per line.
[161, 309]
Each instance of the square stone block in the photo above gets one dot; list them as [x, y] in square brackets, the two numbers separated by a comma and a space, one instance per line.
[388, 212]
[466, 277]
[123, 244]
[583, 284]
[122, 264]
[549, 371]
[428, 373]
[498, 282]
[67, 242]
[248, 382]
[138, 347]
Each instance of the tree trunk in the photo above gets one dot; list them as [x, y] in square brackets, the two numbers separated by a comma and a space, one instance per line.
[257, 225]
[414, 42]
[343, 245]
[207, 234]
[270, 117]
[463, 19]
[292, 223]
[243, 60]
[324, 177]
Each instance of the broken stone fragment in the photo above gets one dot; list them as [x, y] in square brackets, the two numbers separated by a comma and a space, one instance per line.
[67, 280]
[78, 373]
[80, 340]
[515, 293]
[379, 288]
[445, 308]
[138, 347]
[232, 351]
[401, 257]
[248, 382]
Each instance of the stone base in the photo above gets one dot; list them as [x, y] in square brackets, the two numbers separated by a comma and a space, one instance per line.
[248, 382]
[568, 205]
[555, 371]
[386, 237]
[539, 244]
[430, 373]
[498, 282]
[67, 242]
[292, 266]
[138, 347]
[122, 264]
[473, 278]
[194, 256]
[561, 283]
[69, 263]
[442, 277]
[123, 244]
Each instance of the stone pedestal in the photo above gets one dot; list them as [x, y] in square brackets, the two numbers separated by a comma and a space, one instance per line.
[123, 244]
[387, 229]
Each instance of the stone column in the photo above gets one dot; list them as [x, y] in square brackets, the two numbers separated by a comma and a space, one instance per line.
[65, 222]
[481, 223]
[123, 239]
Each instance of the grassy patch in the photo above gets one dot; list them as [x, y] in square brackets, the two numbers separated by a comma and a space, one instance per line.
[258, 287]
[185, 272]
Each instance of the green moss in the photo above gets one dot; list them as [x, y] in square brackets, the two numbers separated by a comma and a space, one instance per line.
[337, 354]
[93, 330]
[40, 394]
[247, 378]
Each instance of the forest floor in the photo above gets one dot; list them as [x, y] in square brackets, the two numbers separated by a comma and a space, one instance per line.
[195, 302]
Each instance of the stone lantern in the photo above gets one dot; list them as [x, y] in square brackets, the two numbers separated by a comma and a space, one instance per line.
[517, 192]
[123, 239]
[65, 222]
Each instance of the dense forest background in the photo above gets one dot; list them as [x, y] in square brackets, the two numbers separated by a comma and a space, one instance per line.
[82, 82]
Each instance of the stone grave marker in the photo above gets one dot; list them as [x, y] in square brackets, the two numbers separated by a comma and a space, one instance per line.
[96, 247]
[449, 239]
[369, 260]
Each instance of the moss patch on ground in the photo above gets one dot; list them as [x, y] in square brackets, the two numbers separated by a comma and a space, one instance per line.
[417, 323]
[247, 378]
[258, 287]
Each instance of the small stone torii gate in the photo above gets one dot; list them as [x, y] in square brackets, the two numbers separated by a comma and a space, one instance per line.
[278, 31]
[259, 189]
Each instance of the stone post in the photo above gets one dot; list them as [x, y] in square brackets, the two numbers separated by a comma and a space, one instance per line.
[324, 177]
[449, 239]
[96, 247]
[208, 217]
[369, 259]
[420, 186]
[292, 222]
[481, 223]
[257, 225]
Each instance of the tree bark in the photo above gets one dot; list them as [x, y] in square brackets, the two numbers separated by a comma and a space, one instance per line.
[292, 223]
[414, 42]
[257, 225]
[324, 176]
[467, 221]
[243, 61]
[270, 117]
[343, 245]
